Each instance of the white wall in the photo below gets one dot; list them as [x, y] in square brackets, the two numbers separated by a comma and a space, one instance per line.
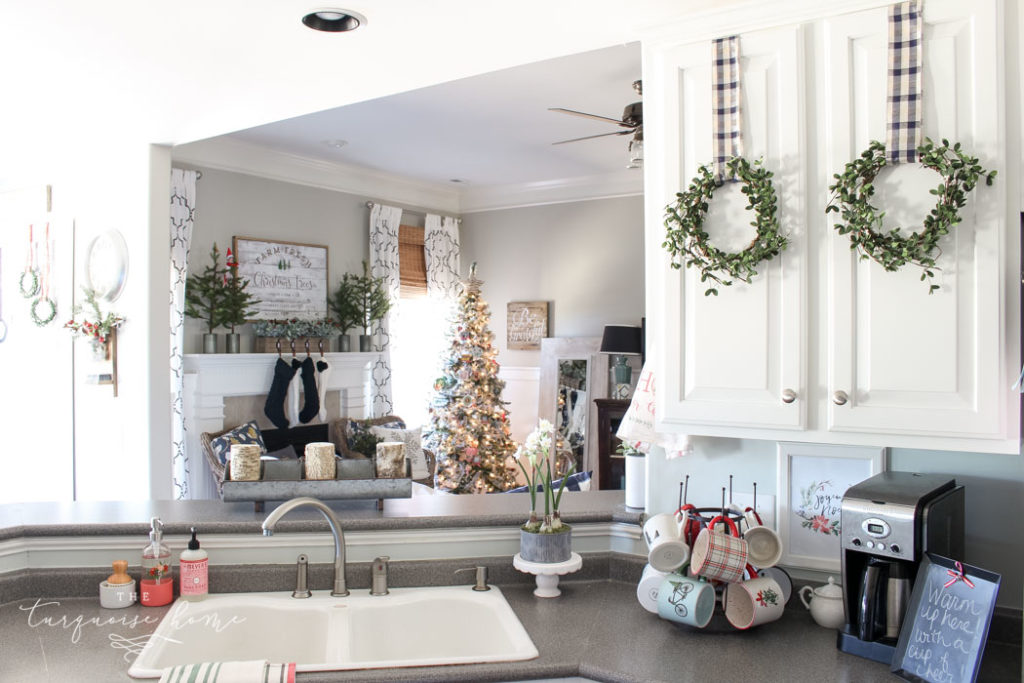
[229, 204]
[584, 258]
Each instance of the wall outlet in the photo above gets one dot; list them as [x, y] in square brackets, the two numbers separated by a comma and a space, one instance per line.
[765, 505]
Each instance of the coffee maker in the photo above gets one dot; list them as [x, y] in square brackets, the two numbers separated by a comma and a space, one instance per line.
[887, 524]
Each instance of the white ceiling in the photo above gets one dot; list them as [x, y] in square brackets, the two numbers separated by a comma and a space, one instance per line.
[82, 76]
[486, 130]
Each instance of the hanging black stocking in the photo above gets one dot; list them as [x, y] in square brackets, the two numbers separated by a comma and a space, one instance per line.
[274, 407]
[310, 395]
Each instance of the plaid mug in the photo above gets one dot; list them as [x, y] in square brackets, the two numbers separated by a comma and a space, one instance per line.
[717, 555]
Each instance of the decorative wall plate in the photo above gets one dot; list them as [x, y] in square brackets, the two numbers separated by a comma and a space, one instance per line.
[106, 265]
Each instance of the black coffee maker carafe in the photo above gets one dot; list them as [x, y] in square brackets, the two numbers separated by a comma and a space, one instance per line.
[888, 522]
[882, 602]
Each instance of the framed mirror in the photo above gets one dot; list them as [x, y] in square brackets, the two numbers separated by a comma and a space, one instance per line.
[572, 374]
[106, 265]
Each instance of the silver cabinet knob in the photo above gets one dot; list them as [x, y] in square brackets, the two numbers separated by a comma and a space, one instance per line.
[788, 396]
[840, 398]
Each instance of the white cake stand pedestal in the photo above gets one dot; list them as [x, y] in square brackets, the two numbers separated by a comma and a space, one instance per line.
[548, 573]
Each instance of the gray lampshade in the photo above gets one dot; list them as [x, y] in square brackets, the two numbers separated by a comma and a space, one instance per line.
[621, 339]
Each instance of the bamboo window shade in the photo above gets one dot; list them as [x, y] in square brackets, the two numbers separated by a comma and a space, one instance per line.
[412, 262]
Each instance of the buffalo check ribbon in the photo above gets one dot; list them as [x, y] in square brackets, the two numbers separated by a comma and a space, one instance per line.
[958, 575]
[904, 103]
[725, 102]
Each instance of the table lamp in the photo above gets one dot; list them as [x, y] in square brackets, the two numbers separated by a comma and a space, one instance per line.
[621, 341]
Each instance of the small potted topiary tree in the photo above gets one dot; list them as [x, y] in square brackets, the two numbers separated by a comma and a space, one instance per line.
[205, 298]
[236, 302]
[343, 306]
[371, 302]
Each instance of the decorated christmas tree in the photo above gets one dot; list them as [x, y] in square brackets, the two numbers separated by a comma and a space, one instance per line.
[469, 427]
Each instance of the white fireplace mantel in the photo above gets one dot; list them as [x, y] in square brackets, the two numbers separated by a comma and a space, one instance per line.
[210, 378]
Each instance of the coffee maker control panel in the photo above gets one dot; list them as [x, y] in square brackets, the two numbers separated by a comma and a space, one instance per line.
[879, 529]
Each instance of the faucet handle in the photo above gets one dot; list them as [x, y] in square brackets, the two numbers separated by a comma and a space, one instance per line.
[379, 579]
[481, 577]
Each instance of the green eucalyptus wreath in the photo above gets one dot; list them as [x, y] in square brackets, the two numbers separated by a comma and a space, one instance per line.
[853, 189]
[688, 243]
[46, 315]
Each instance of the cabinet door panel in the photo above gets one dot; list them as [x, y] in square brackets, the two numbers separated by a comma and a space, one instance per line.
[730, 357]
[910, 362]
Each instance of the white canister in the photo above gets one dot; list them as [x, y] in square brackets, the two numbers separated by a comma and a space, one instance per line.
[320, 463]
[636, 480]
[245, 462]
[647, 589]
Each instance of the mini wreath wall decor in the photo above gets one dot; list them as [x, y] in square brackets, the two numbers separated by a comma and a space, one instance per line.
[43, 317]
[688, 243]
[28, 283]
[853, 189]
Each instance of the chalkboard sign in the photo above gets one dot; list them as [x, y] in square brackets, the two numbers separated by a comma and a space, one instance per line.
[288, 278]
[947, 622]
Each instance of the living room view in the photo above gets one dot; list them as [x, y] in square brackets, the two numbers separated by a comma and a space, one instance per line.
[551, 226]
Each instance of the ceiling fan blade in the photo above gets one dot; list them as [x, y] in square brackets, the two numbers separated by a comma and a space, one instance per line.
[590, 137]
[617, 122]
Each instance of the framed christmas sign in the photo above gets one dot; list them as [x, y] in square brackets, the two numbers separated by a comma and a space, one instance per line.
[811, 484]
[288, 278]
[527, 325]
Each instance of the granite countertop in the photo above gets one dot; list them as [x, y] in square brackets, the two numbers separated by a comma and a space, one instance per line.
[423, 510]
[595, 629]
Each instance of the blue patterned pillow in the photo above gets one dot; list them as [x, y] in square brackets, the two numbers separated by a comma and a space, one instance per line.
[247, 433]
[356, 428]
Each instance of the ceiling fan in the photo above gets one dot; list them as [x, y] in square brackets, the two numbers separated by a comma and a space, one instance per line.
[632, 122]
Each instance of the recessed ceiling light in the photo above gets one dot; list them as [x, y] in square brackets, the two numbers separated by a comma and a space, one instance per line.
[337, 144]
[333, 20]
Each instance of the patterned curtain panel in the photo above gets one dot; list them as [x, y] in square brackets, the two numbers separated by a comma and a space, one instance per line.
[183, 207]
[384, 222]
[441, 245]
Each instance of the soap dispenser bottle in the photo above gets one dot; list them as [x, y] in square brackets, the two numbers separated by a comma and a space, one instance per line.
[157, 586]
[194, 569]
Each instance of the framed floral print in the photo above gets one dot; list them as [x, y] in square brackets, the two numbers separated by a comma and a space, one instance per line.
[812, 481]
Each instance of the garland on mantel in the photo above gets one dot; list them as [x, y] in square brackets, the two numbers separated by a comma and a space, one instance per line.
[854, 188]
[687, 241]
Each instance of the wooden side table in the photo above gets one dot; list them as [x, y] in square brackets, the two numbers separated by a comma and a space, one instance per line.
[611, 465]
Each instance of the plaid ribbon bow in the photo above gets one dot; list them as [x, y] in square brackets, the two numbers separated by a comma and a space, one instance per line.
[903, 104]
[958, 575]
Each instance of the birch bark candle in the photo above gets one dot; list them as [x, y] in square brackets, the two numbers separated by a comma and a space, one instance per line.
[320, 460]
[245, 462]
[390, 461]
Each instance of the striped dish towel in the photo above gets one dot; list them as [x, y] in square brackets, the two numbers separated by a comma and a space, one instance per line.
[256, 671]
[903, 110]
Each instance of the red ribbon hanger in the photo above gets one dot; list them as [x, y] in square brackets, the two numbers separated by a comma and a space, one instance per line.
[957, 575]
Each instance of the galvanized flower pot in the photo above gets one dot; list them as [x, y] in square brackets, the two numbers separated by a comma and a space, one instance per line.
[546, 548]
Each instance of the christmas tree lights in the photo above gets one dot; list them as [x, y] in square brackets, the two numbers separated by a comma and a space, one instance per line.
[469, 425]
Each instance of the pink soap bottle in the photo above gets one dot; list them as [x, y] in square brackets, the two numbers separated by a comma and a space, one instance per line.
[194, 566]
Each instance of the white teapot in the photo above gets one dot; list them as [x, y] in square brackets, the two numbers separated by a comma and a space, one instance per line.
[826, 605]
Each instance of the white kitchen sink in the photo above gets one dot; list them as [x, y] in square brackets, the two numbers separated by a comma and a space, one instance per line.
[409, 627]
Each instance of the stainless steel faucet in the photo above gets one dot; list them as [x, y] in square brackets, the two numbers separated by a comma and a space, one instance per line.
[340, 588]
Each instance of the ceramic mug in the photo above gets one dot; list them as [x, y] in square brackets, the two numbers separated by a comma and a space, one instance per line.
[686, 600]
[754, 602]
[719, 555]
[664, 535]
[764, 547]
[647, 589]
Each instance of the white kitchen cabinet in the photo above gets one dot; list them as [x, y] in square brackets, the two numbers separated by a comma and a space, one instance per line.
[739, 351]
[868, 357]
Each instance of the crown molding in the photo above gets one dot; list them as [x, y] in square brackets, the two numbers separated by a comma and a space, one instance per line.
[519, 195]
[744, 17]
[227, 154]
